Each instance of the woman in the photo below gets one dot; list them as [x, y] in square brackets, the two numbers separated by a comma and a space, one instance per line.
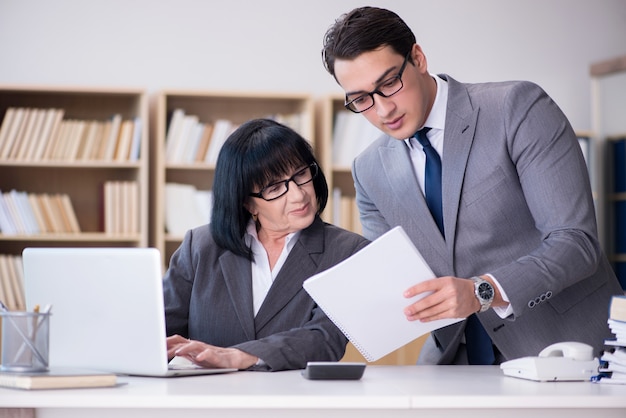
[233, 290]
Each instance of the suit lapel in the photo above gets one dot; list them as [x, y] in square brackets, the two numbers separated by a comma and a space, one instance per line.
[461, 121]
[405, 190]
[238, 276]
[397, 164]
[299, 266]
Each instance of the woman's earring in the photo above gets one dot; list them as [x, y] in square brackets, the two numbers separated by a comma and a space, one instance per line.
[255, 217]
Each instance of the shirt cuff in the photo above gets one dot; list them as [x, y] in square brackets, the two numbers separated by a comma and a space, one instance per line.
[502, 311]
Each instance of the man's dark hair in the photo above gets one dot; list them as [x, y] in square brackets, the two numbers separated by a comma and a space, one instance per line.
[362, 30]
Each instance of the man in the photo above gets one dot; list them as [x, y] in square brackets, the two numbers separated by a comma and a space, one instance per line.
[504, 217]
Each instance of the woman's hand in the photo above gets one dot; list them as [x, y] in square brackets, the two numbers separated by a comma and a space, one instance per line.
[207, 355]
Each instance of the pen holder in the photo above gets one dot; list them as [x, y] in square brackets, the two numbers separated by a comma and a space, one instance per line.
[25, 341]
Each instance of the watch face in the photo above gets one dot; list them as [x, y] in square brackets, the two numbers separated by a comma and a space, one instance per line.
[485, 291]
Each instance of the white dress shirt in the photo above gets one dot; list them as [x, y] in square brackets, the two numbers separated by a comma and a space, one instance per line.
[262, 275]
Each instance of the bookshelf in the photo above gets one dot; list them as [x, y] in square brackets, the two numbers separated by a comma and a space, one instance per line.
[608, 90]
[81, 180]
[209, 108]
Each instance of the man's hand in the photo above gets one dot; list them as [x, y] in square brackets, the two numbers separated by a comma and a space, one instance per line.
[446, 297]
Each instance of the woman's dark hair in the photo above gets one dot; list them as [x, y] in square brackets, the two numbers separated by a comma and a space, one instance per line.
[362, 30]
[256, 154]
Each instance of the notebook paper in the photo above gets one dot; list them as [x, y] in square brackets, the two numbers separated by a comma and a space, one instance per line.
[363, 295]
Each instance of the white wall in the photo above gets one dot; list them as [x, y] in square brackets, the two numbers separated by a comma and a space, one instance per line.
[268, 45]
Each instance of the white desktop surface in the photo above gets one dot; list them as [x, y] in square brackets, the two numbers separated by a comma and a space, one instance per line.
[404, 391]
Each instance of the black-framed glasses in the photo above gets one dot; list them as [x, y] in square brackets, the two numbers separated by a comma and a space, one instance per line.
[278, 189]
[387, 88]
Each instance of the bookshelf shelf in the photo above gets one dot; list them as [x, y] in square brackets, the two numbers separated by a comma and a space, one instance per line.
[206, 108]
[81, 177]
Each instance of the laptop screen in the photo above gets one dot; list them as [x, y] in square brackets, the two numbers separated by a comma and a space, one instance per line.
[107, 306]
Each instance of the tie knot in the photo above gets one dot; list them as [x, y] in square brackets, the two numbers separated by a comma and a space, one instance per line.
[422, 138]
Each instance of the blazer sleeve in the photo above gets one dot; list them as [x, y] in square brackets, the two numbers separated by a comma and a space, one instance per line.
[555, 183]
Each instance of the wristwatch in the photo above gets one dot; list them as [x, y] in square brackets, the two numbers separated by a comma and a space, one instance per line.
[484, 293]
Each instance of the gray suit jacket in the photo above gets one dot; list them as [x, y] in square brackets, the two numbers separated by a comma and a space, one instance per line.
[517, 204]
[208, 297]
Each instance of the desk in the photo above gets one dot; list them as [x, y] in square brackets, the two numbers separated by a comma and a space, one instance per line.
[389, 391]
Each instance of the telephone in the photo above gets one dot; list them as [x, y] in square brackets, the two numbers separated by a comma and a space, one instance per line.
[565, 361]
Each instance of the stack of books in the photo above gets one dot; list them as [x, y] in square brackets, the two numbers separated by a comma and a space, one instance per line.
[23, 213]
[121, 207]
[186, 207]
[35, 135]
[613, 360]
[192, 141]
[351, 135]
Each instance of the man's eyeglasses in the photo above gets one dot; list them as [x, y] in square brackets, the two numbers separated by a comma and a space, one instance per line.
[387, 88]
[278, 189]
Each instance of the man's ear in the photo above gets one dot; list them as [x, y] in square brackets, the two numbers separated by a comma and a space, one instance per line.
[419, 58]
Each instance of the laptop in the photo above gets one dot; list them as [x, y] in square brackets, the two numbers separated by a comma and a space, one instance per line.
[107, 309]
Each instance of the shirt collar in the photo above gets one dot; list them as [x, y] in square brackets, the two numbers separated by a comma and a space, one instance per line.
[437, 116]
[252, 236]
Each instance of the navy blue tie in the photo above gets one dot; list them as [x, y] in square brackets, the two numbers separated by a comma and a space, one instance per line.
[432, 186]
[477, 343]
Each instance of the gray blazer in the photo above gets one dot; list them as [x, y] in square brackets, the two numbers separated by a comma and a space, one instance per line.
[208, 297]
[517, 204]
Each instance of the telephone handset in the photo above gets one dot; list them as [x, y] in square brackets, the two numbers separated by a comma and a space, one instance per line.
[565, 361]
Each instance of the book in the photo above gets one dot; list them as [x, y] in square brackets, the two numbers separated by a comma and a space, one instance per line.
[184, 139]
[9, 138]
[185, 208]
[111, 140]
[15, 261]
[351, 135]
[7, 121]
[613, 361]
[23, 133]
[135, 146]
[204, 143]
[14, 212]
[70, 218]
[25, 211]
[57, 379]
[363, 295]
[6, 281]
[221, 129]
[124, 140]
[617, 308]
[7, 225]
[173, 133]
[51, 212]
[30, 140]
[102, 143]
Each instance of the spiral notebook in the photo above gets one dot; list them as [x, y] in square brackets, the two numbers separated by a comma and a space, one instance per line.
[363, 295]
